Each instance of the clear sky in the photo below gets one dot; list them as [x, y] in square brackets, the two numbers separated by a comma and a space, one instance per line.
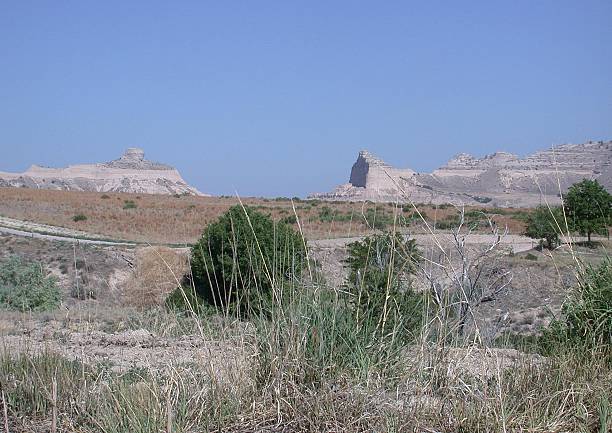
[277, 97]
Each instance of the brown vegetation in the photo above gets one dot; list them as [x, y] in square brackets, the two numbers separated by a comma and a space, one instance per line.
[172, 219]
[157, 272]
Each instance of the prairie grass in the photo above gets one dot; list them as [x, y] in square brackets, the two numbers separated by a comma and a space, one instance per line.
[168, 219]
[314, 364]
[301, 381]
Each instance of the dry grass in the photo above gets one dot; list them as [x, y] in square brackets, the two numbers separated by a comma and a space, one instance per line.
[170, 219]
[431, 388]
[157, 273]
[310, 366]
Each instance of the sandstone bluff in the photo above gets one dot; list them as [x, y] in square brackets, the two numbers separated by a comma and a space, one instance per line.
[130, 173]
[500, 179]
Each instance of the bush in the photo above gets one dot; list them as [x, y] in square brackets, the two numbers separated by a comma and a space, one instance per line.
[327, 214]
[379, 270]
[289, 219]
[79, 217]
[243, 257]
[185, 300]
[26, 287]
[362, 331]
[377, 219]
[414, 216]
[545, 224]
[520, 215]
[129, 204]
[445, 225]
[587, 314]
[482, 199]
[105, 196]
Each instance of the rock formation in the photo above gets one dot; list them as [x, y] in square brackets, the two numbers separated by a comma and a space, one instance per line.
[499, 179]
[130, 173]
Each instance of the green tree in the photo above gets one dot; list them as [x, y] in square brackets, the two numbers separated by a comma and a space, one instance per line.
[243, 257]
[544, 224]
[589, 207]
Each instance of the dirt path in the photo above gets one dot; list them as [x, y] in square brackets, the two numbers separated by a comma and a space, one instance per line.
[43, 231]
[48, 237]
[53, 233]
[517, 243]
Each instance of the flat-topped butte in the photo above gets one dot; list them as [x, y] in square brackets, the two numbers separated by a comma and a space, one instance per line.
[130, 173]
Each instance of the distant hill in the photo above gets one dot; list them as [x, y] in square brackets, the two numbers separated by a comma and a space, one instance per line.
[130, 173]
[500, 179]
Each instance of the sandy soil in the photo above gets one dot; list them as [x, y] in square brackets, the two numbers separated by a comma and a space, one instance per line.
[122, 351]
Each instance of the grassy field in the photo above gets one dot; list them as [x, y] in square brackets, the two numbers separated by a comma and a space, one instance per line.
[181, 219]
[305, 368]
[312, 355]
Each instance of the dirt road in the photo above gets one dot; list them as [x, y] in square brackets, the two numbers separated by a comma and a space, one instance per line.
[517, 243]
[53, 233]
[42, 231]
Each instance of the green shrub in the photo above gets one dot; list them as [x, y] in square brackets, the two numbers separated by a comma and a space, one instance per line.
[474, 214]
[289, 219]
[26, 287]
[413, 215]
[471, 219]
[185, 300]
[587, 314]
[545, 224]
[243, 257]
[482, 199]
[79, 217]
[443, 225]
[379, 270]
[377, 218]
[327, 214]
[129, 204]
[322, 334]
[520, 215]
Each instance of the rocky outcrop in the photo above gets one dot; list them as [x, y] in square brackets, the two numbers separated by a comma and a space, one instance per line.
[130, 173]
[500, 179]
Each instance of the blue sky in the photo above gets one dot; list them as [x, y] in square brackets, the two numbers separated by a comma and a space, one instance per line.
[276, 98]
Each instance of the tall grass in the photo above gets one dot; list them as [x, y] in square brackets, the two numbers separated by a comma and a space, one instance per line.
[313, 364]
